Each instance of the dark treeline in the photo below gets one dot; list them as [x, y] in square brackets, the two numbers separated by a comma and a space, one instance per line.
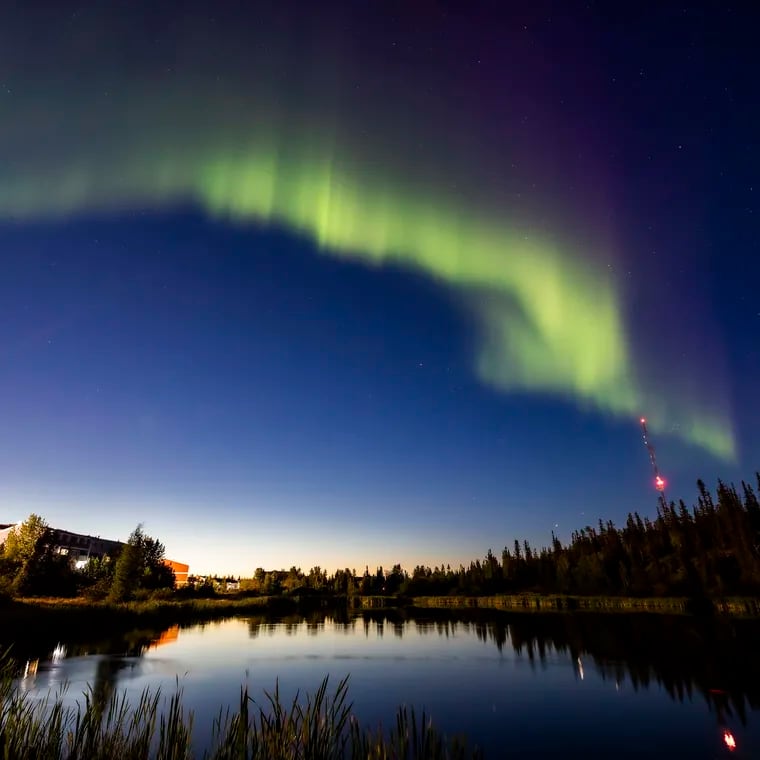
[711, 550]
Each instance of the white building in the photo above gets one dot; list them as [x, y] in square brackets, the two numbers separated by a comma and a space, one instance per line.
[5, 529]
[80, 547]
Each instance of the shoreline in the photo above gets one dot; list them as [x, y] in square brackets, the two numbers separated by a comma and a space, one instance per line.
[738, 607]
[187, 610]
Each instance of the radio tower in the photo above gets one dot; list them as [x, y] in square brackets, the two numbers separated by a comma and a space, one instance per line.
[659, 481]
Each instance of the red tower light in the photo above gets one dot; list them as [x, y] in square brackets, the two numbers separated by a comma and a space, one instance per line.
[659, 481]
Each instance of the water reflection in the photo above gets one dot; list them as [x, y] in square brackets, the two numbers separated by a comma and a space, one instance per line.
[717, 659]
[714, 662]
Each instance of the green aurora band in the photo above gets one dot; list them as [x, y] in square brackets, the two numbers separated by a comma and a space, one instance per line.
[551, 322]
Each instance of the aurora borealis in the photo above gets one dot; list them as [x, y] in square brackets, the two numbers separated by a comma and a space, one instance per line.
[552, 324]
[267, 121]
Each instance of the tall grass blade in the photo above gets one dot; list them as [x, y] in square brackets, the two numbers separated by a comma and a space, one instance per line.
[104, 726]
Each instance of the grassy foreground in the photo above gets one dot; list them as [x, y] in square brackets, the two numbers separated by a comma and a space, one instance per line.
[318, 727]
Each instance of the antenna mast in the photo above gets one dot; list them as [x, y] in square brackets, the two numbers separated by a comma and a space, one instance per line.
[659, 481]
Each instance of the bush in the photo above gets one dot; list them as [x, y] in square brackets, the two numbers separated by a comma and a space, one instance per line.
[98, 591]
[161, 595]
[203, 590]
[6, 587]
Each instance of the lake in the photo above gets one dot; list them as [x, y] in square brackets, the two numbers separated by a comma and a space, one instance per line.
[581, 685]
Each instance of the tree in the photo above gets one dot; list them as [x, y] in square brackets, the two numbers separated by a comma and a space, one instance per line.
[316, 579]
[140, 566]
[96, 577]
[394, 580]
[155, 572]
[30, 564]
[23, 540]
[127, 573]
[294, 579]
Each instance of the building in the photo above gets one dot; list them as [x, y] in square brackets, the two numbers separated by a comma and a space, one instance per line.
[5, 529]
[181, 571]
[81, 547]
[78, 546]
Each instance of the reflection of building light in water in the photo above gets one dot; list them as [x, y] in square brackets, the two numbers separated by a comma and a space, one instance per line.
[31, 668]
[580, 668]
[59, 653]
[728, 740]
[169, 636]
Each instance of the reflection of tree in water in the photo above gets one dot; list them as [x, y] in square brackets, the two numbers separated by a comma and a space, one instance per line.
[717, 659]
[106, 676]
[132, 646]
[40, 645]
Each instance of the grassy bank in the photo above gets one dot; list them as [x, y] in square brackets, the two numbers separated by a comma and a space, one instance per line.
[319, 727]
[557, 603]
[21, 614]
[75, 620]
[177, 607]
[734, 606]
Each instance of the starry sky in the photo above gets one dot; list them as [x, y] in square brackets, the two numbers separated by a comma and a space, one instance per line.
[373, 283]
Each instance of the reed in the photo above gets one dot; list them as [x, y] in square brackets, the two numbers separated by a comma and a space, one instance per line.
[320, 726]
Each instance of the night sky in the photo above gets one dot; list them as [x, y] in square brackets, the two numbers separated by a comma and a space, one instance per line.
[374, 283]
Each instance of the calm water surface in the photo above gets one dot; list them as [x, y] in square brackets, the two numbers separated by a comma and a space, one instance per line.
[521, 685]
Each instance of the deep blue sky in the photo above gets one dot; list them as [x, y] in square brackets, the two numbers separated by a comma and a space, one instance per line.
[258, 402]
